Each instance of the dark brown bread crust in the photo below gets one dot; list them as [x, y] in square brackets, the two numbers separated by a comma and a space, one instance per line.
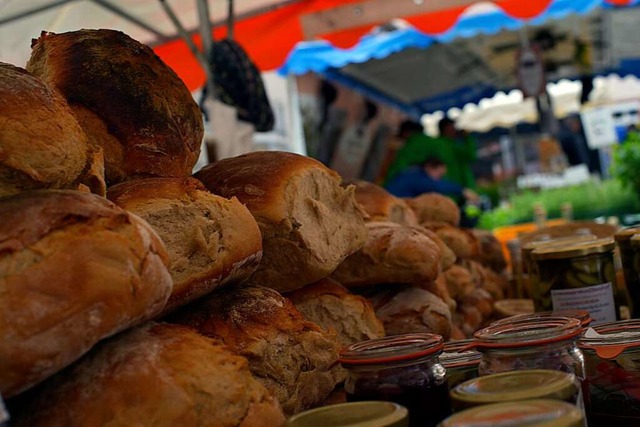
[380, 205]
[294, 358]
[41, 143]
[142, 102]
[156, 375]
[212, 241]
[74, 268]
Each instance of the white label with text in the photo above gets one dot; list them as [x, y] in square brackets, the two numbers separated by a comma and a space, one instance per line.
[597, 300]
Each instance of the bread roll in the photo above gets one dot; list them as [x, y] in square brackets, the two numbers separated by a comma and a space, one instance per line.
[157, 375]
[42, 144]
[309, 223]
[448, 256]
[126, 99]
[459, 281]
[380, 205]
[408, 309]
[74, 268]
[211, 240]
[393, 253]
[294, 358]
[487, 279]
[440, 289]
[462, 242]
[490, 254]
[435, 207]
[332, 306]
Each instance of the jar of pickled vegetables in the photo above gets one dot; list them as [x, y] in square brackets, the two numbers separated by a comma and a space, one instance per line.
[612, 374]
[581, 315]
[515, 386]
[578, 276]
[545, 343]
[461, 364]
[529, 413]
[403, 369]
[629, 250]
[370, 414]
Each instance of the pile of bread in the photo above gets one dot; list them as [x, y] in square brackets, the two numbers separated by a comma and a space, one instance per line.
[132, 293]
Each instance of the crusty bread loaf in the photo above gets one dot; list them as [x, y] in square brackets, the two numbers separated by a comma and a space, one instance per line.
[435, 207]
[393, 253]
[332, 306]
[74, 268]
[42, 144]
[407, 309]
[156, 375]
[486, 278]
[309, 223]
[126, 99]
[380, 205]
[448, 256]
[440, 289]
[294, 358]
[490, 254]
[211, 240]
[459, 281]
[462, 242]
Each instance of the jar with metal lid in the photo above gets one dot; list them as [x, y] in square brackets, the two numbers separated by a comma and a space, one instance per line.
[629, 250]
[612, 374]
[546, 343]
[517, 385]
[461, 364]
[361, 414]
[529, 413]
[404, 369]
[577, 276]
[582, 315]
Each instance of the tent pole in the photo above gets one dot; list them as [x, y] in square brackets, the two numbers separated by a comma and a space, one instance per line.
[206, 33]
[124, 14]
[230, 19]
[33, 11]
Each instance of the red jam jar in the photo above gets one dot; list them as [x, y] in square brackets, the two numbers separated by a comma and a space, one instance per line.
[404, 369]
[611, 386]
[536, 343]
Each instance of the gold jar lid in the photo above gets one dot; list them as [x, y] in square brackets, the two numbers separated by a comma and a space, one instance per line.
[529, 413]
[514, 386]
[626, 233]
[353, 414]
[574, 249]
[527, 248]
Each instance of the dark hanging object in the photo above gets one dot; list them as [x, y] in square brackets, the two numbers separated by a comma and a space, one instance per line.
[238, 83]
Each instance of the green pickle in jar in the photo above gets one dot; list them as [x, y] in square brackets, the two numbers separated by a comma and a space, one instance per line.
[578, 276]
[529, 413]
[630, 264]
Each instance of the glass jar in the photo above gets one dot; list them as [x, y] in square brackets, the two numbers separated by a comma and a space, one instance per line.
[612, 374]
[404, 369]
[577, 276]
[461, 365]
[369, 414]
[545, 343]
[529, 413]
[515, 386]
[582, 315]
[628, 249]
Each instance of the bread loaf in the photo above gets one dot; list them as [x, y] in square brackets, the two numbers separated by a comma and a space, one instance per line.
[126, 99]
[459, 281]
[435, 207]
[380, 205]
[407, 309]
[157, 375]
[309, 223]
[74, 268]
[211, 240]
[448, 256]
[294, 358]
[42, 144]
[393, 253]
[462, 242]
[332, 306]
[490, 254]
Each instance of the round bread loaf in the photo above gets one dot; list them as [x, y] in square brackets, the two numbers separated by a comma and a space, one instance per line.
[448, 256]
[42, 144]
[309, 223]
[462, 242]
[74, 268]
[126, 99]
[490, 254]
[380, 205]
[459, 280]
[294, 358]
[435, 207]
[212, 241]
[332, 306]
[407, 309]
[157, 375]
[393, 253]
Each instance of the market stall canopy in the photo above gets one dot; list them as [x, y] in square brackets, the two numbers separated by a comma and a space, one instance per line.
[268, 29]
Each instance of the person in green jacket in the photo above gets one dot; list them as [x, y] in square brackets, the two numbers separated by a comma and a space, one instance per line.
[457, 150]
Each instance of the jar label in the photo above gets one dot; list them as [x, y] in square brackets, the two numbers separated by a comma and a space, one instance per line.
[597, 300]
